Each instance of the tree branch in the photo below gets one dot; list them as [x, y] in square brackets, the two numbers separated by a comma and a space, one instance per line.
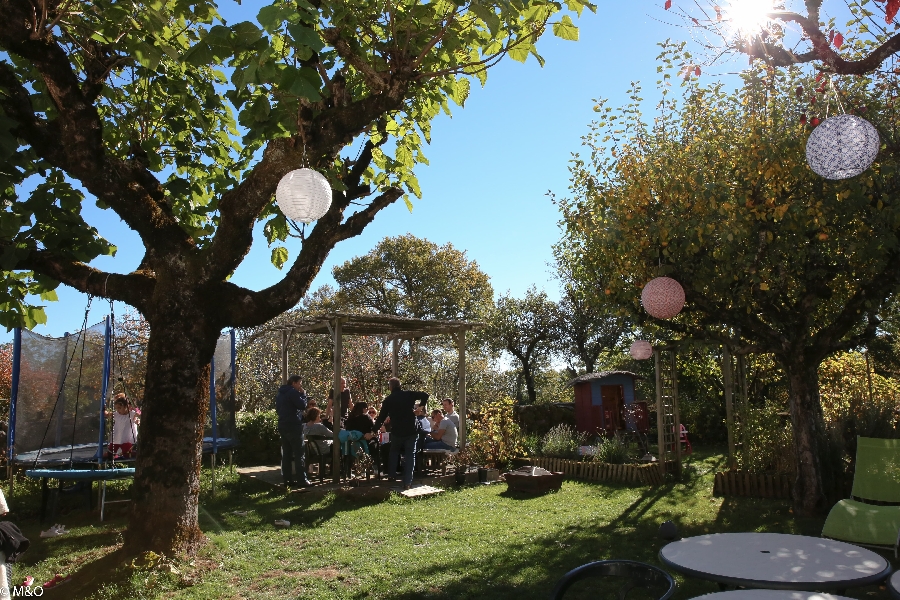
[239, 208]
[780, 57]
[245, 308]
[73, 141]
[134, 289]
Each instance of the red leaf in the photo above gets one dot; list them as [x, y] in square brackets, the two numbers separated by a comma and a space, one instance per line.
[669, 5]
[818, 77]
[815, 121]
[697, 71]
[890, 10]
[830, 36]
[838, 40]
[803, 119]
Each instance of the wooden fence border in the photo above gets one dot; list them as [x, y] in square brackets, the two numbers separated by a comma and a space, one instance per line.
[648, 474]
[741, 483]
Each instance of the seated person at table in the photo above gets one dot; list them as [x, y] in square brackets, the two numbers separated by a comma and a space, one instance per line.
[359, 420]
[423, 419]
[424, 425]
[443, 436]
[449, 412]
[314, 426]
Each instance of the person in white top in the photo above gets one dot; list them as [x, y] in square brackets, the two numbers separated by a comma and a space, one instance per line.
[125, 427]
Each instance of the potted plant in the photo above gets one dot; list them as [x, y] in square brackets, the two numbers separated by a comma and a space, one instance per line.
[461, 461]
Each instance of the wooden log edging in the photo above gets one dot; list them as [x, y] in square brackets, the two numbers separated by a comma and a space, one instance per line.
[742, 483]
[648, 474]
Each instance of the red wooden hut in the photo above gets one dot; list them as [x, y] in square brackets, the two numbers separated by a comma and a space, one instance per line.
[605, 403]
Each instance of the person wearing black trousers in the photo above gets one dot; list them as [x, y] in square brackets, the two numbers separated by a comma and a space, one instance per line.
[400, 406]
[290, 404]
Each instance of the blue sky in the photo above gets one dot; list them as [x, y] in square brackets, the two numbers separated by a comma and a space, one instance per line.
[491, 164]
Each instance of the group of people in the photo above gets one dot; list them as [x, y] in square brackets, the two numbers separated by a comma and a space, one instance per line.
[402, 415]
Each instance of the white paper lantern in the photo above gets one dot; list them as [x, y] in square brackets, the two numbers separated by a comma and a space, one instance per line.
[842, 146]
[303, 195]
[640, 350]
[663, 297]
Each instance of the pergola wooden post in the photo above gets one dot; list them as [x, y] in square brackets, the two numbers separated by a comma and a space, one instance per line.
[728, 383]
[395, 357]
[338, 340]
[387, 326]
[461, 394]
[285, 338]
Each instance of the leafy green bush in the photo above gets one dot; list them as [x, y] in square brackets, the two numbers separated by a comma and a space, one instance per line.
[494, 438]
[611, 451]
[561, 441]
[531, 444]
[260, 441]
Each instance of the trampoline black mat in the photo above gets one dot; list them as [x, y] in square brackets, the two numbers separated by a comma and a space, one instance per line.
[86, 454]
[82, 454]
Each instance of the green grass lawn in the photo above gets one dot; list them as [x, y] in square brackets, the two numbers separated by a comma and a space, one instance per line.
[470, 542]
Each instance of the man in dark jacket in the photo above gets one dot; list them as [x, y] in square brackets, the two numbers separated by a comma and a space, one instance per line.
[400, 406]
[290, 404]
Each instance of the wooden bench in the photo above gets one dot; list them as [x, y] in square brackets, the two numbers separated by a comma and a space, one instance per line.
[436, 459]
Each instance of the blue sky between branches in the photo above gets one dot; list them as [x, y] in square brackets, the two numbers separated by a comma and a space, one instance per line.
[491, 164]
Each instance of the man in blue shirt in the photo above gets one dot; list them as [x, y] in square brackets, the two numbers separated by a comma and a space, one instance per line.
[400, 406]
[290, 404]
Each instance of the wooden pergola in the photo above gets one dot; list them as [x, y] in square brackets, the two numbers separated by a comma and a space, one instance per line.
[396, 329]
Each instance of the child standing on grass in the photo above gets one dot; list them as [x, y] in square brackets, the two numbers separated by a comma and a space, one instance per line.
[125, 427]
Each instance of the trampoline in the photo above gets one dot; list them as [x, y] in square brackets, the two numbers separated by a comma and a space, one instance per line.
[60, 387]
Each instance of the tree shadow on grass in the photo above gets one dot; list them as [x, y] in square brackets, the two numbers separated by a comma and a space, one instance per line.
[531, 567]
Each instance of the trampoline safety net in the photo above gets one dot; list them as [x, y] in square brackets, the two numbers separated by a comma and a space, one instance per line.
[45, 430]
[221, 392]
[52, 417]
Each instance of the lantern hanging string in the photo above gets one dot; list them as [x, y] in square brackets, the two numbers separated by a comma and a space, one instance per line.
[837, 98]
[301, 231]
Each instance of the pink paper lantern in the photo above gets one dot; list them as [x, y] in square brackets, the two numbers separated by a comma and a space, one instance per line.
[640, 350]
[663, 297]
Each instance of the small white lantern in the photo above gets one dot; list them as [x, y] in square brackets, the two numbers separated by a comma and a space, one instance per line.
[640, 350]
[663, 297]
[842, 146]
[303, 195]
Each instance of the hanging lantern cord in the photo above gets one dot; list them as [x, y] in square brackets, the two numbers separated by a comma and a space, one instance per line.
[301, 230]
[837, 99]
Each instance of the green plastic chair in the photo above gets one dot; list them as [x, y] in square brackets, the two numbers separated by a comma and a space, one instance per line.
[877, 479]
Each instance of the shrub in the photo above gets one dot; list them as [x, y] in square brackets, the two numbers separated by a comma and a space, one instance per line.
[495, 439]
[770, 442]
[561, 441]
[611, 451]
[258, 434]
[531, 444]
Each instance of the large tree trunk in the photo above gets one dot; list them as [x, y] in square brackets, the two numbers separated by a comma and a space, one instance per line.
[163, 514]
[809, 432]
[528, 376]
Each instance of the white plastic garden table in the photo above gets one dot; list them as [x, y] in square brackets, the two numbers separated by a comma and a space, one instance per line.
[775, 561]
[770, 595]
[894, 585]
